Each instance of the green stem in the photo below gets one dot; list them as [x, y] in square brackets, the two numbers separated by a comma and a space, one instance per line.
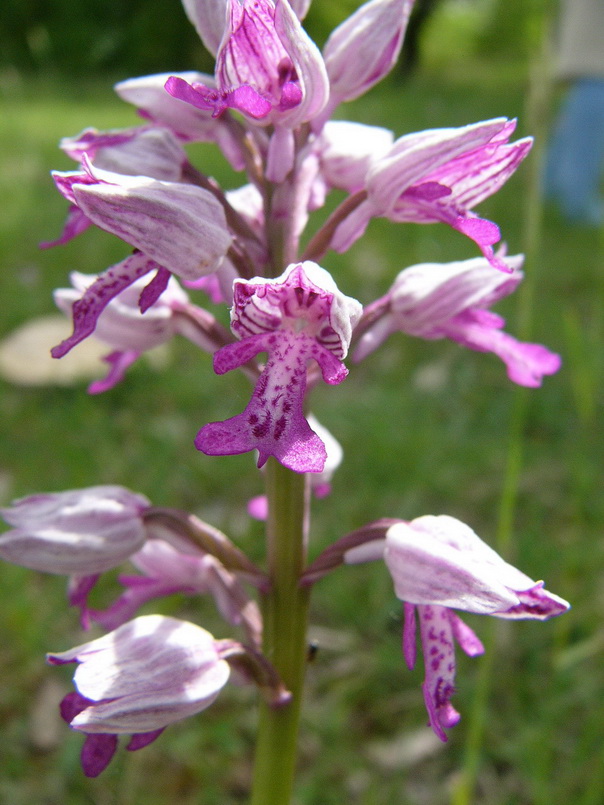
[285, 609]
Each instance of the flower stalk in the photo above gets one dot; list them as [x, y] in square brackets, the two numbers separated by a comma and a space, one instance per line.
[285, 610]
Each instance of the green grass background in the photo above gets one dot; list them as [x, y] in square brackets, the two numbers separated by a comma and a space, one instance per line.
[426, 428]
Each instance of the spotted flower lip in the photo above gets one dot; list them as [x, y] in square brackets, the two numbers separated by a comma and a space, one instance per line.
[451, 300]
[80, 531]
[295, 318]
[440, 629]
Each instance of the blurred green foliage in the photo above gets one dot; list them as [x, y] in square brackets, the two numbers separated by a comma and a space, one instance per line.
[71, 38]
[75, 38]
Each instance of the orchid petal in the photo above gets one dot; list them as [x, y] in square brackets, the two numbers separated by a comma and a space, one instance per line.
[440, 560]
[209, 18]
[76, 223]
[97, 753]
[142, 151]
[374, 34]
[98, 295]
[181, 226]
[119, 363]
[439, 656]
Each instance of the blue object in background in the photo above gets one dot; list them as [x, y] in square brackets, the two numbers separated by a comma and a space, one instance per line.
[575, 160]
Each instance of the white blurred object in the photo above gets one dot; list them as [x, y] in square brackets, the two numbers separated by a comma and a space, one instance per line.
[25, 355]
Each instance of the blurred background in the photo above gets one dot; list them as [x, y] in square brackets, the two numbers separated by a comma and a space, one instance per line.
[426, 428]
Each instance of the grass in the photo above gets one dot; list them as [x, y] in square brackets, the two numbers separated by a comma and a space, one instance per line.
[426, 427]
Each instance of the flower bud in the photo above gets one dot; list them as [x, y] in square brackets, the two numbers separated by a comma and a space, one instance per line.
[145, 675]
[82, 531]
[374, 34]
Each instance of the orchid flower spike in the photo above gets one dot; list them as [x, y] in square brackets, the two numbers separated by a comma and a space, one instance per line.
[82, 531]
[298, 317]
[136, 680]
[438, 564]
[451, 300]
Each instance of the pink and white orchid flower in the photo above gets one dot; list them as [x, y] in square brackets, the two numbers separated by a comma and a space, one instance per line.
[136, 680]
[298, 317]
[452, 300]
[440, 175]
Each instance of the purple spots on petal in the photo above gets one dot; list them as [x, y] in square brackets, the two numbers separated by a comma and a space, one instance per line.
[261, 429]
[279, 429]
[439, 657]
[273, 422]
